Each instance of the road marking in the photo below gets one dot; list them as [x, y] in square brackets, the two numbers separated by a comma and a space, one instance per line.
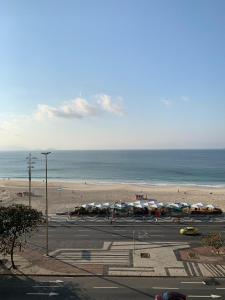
[46, 286]
[79, 235]
[83, 230]
[44, 294]
[164, 288]
[220, 288]
[105, 287]
[197, 282]
[56, 281]
[209, 296]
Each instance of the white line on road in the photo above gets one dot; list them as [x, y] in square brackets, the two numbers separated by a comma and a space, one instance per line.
[83, 230]
[220, 288]
[44, 294]
[194, 282]
[164, 288]
[79, 235]
[209, 296]
[105, 287]
[46, 286]
[56, 281]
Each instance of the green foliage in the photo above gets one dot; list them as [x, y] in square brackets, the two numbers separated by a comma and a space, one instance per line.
[214, 240]
[15, 222]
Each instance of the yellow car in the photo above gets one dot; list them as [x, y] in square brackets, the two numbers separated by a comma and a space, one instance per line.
[189, 231]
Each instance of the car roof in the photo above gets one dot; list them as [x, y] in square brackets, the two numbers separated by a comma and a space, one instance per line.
[172, 296]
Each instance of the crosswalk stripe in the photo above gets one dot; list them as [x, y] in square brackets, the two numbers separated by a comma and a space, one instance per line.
[219, 267]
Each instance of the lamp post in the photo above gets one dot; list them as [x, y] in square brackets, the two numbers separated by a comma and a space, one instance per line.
[30, 163]
[46, 196]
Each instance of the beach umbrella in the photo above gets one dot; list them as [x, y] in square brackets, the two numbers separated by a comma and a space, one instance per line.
[84, 205]
[130, 204]
[98, 205]
[210, 206]
[195, 206]
[151, 202]
[105, 204]
[154, 205]
[91, 204]
[137, 202]
[185, 204]
[138, 205]
[199, 204]
[160, 204]
[118, 206]
[173, 205]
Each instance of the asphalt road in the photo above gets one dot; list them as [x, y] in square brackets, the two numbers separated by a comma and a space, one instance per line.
[93, 235]
[103, 288]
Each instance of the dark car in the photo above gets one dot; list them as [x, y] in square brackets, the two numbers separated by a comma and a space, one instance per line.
[170, 296]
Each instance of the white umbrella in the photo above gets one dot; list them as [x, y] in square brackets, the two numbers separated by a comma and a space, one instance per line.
[98, 205]
[185, 204]
[138, 205]
[195, 206]
[91, 204]
[175, 205]
[210, 206]
[84, 205]
[153, 205]
[105, 204]
[118, 205]
[199, 204]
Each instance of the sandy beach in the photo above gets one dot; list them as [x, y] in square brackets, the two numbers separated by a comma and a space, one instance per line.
[64, 196]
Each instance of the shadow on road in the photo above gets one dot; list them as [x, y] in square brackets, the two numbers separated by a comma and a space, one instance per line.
[24, 287]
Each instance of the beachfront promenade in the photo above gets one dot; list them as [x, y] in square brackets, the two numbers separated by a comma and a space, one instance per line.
[119, 249]
[148, 256]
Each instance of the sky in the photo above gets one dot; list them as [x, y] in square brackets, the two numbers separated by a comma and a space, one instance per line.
[115, 74]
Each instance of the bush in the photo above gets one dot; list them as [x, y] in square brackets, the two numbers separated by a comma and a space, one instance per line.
[214, 240]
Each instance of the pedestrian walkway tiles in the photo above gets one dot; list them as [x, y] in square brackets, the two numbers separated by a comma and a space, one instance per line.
[66, 218]
[194, 269]
[139, 259]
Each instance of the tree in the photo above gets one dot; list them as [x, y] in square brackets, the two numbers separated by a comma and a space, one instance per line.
[214, 240]
[15, 222]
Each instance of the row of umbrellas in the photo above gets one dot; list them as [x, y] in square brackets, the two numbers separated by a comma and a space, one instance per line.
[151, 204]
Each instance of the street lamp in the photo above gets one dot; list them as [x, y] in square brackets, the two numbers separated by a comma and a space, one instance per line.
[30, 163]
[46, 196]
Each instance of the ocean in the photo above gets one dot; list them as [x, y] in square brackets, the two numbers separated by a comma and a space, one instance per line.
[147, 167]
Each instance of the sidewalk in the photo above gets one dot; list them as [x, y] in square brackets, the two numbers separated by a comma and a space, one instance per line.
[31, 262]
[152, 259]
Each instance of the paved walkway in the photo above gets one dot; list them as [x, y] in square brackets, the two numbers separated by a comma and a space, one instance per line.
[140, 259]
[150, 219]
[122, 258]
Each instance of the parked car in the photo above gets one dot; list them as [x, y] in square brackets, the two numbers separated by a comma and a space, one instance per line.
[170, 296]
[189, 231]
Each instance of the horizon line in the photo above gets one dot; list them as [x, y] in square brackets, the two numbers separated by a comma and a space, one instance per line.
[109, 149]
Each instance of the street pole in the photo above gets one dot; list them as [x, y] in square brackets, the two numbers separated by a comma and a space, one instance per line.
[30, 163]
[46, 196]
[133, 243]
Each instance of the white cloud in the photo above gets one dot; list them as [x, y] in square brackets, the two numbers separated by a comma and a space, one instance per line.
[185, 99]
[79, 108]
[167, 103]
[106, 104]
